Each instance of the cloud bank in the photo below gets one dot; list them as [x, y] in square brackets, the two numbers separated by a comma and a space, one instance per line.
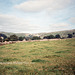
[72, 20]
[41, 5]
[36, 16]
[15, 24]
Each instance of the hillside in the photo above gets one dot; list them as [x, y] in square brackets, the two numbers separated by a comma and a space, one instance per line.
[62, 33]
[18, 34]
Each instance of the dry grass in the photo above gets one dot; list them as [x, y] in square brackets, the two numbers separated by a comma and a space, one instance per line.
[49, 58]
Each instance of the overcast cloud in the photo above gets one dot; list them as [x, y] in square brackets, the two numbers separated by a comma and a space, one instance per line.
[40, 5]
[34, 16]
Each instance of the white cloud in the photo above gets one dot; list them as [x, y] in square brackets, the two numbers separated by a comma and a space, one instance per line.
[9, 23]
[39, 5]
[72, 20]
[11, 20]
[60, 25]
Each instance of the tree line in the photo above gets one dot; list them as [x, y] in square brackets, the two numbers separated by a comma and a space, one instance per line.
[14, 37]
[58, 36]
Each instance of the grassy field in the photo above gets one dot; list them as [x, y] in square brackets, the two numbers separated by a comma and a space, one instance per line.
[38, 58]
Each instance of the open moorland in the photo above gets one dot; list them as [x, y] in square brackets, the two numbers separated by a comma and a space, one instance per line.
[55, 57]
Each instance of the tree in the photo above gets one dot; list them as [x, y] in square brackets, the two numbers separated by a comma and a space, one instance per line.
[36, 38]
[48, 37]
[2, 37]
[7, 39]
[51, 36]
[45, 37]
[21, 38]
[13, 38]
[69, 35]
[57, 36]
[73, 33]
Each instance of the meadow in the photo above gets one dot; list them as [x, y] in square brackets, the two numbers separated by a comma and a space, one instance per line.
[38, 58]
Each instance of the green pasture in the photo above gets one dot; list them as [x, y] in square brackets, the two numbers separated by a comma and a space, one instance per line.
[41, 58]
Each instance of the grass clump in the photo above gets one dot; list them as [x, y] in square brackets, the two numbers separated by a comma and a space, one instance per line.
[62, 51]
[51, 56]
[9, 59]
[39, 60]
[15, 49]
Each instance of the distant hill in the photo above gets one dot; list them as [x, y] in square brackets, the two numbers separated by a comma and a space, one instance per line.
[18, 34]
[62, 33]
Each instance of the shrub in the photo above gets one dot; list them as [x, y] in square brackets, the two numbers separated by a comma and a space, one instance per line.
[13, 38]
[7, 39]
[57, 36]
[21, 38]
[69, 35]
[48, 37]
[36, 38]
[0, 39]
[73, 33]
[3, 35]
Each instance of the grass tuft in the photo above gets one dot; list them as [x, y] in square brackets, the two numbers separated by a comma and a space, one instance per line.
[39, 60]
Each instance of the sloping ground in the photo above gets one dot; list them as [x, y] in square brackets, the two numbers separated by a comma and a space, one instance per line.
[39, 58]
[62, 33]
[18, 34]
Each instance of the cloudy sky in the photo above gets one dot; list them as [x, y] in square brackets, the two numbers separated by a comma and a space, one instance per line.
[34, 16]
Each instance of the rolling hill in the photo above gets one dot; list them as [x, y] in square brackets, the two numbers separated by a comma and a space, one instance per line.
[62, 33]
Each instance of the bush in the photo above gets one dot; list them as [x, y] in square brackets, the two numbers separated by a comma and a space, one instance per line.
[36, 38]
[0, 39]
[48, 37]
[69, 35]
[7, 39]
[73, 33]
[13, 38]
[57, 36]
[21, 38]
[3, 35]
